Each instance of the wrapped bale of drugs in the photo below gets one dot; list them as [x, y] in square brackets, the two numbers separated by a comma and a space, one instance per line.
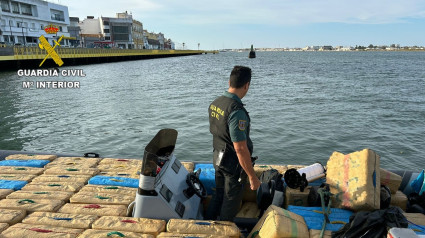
[137, 163]
[20, 177]
[24, 163]
[316, 234]
[39, 231]
[78, 160]
[177, 235]
[21, 170]
[391, 180]
[72, 171]
[277, 222]
[3, 226]
[62, 178]
[399, 199]
[94, 209]
[11, 184]
[102, 198]
[297, 198]
[134, 174]
[32, 205]
[78, 221]
[354, 179]
[114, 181]
[249, 210]
[225, 228]
[189, 166]
[55, 195]
[5, 192]
[109, 189]
[54, 186]
[93, 233]
[11, 217]
[31, 157]
[139, 225]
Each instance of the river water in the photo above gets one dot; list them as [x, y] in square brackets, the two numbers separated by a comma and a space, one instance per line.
[303, 106]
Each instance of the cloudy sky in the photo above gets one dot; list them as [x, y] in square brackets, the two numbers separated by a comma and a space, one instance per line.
[270, 23]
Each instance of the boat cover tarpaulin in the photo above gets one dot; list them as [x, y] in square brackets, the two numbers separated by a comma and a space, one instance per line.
[25, 163]
[313, 217]
[207, 176]
[12, 184]
[114, 181]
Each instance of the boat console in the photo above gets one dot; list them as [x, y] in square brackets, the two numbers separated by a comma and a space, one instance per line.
[166, 189]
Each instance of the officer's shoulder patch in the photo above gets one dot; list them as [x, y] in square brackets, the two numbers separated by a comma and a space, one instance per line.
[242, 125]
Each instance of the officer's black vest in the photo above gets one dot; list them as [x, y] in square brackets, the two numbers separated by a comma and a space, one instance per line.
[219, 112]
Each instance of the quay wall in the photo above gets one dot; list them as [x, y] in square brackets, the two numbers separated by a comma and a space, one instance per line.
[31, 57]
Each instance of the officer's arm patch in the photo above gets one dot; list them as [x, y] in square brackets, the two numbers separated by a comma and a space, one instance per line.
[242, 125]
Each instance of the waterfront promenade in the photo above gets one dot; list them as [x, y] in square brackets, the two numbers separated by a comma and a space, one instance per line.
[31, 57]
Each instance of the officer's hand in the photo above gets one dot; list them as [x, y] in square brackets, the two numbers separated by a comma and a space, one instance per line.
[254, 183]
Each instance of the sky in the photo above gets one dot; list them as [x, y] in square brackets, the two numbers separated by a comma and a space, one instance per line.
[231, 24]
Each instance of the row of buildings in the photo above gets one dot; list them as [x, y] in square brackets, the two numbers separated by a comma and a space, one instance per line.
[22, 22]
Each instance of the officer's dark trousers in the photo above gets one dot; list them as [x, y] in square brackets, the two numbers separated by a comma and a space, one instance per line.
[227, 198]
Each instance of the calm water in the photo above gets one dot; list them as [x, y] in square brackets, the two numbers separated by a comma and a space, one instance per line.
[303, 105]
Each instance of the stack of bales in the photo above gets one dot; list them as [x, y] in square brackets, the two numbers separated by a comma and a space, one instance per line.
[200, 228]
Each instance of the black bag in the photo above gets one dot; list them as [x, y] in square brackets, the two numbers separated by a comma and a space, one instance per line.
[272, 174]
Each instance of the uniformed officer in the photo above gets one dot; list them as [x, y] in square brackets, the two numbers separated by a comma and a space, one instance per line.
[230, 126]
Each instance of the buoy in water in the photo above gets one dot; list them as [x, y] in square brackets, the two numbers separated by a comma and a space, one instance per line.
[252, 53]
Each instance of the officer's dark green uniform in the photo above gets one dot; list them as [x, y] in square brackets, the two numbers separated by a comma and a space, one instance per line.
[229, 122]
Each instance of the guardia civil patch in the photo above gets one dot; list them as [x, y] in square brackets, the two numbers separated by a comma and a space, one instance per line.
[242, 125]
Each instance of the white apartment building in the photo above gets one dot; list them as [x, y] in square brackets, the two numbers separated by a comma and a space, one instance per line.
[23, 21]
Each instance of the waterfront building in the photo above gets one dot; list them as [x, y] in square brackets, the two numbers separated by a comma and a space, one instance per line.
[22, 22]
[137, 33]
[108, 32]
[74, 32]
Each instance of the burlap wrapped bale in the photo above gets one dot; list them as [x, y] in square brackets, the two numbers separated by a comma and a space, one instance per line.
[399, 199]
[94, 209]
[125, 174]
[177, 235]
[249, 210]
[62, 178]
[39, 231]
[139, 225]
[203, 227]
[391, 180]
[5, 192]
[3, 226]
[316, 234]
[56, 195]
[296, 197]
[415, 218]
[78, 160]
[354, 180]
[21, 177]
[109, 189]
[77, 221]
[11, 217]
[32, 205]
[134, 162]
[277, 222]
[72, 170]
[21, 170]
[82, 164]
[189, 166]
[102, 198]
[54, 186]
[31, 157]
[260, 168]
[93, 233]
[117, 167]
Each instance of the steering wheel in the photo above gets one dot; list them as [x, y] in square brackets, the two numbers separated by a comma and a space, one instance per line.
[195, 187]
